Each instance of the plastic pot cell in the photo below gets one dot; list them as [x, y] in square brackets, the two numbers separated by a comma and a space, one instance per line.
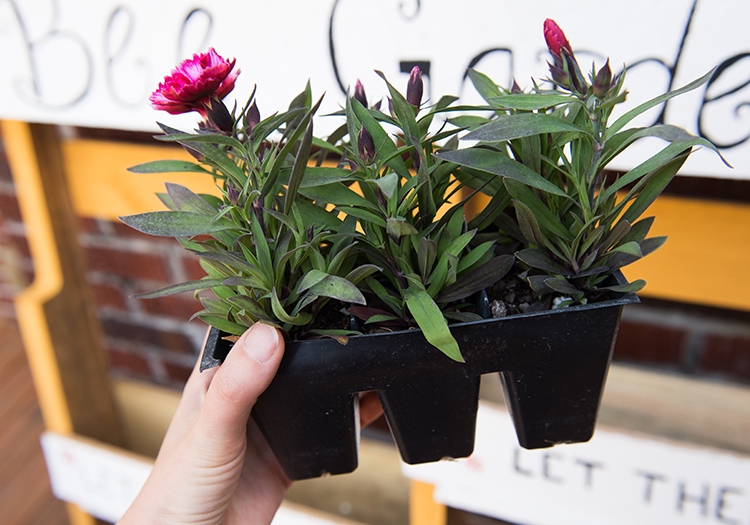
[553, 365]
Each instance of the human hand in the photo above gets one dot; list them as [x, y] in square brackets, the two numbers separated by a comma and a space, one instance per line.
[214, 465]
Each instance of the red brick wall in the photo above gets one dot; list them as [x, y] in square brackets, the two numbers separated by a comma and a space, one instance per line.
[152, 340]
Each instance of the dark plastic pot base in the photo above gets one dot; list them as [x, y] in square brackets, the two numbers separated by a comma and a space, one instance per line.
[553, 365]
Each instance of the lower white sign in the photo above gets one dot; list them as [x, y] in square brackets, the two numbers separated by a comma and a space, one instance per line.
[104, 482]
[100, 481]
[615, 479]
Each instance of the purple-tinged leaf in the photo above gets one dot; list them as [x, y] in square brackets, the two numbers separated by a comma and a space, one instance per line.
[477, 280]
[561, 285]
[538, 259]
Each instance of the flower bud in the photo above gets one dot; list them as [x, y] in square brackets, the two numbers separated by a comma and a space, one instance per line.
[515, 88]
[559, 75]
[579, 83]
[415, 87]
[603, 81]
[252, 116]
[218, 115]
[233, 194]
[365, 145]
[359, 93]
[556, 40]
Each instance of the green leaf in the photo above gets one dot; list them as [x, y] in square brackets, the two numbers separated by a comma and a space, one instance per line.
[397, 227]
[318, 215]
[222, 161]
[321, 176]
[189, 286]
[185, 200]
[405, 112]
[630, 115]
[497, 163]
[629, 248]
[301, 319]
[531, 101]
[222, 324]
[655, 186]
[206, 137]
[338, 288]
[484, 85]
[338, 195]
[250, 305]
[167, 166]
[364, 215]
[509, 127]
[635, 286]
[430, 319]
[426, 255]
[388, 184]
[528, 225]
[176, 223]
[468, 121]
[362, 272]
[310, 279]
[298, 168]
[652, 244]
[383, 144]
[262, 251]
[542, 213]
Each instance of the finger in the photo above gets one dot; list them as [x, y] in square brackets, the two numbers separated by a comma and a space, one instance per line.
[245, 374]
[190, 403]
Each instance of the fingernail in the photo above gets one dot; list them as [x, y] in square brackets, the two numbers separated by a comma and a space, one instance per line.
[261, 342]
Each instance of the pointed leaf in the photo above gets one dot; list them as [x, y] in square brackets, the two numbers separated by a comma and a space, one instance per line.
[430, 319]
[176, 223]
[538, 259]
[635, 286]
[310, 279]
[167, 166]
[497, 163]
[561, 285]
[223, 324]
[531, 102]
[509, 127]
[301, 319]
[189, 286]
[362, 272]
[298, 168]
[185, 200]
[338, 288]
[477, 280]
[630, 115]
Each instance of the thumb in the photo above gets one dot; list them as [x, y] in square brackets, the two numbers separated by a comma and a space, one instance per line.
[245, 374]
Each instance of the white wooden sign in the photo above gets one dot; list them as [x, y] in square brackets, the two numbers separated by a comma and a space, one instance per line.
[99, 480]
[104, 482]
[616, 478]
[95, 63]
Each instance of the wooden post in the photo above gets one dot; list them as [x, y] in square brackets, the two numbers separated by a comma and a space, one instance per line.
[423, 510]
[56, 315]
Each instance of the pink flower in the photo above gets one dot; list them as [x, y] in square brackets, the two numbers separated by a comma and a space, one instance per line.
[555, 38]
[194, 82]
